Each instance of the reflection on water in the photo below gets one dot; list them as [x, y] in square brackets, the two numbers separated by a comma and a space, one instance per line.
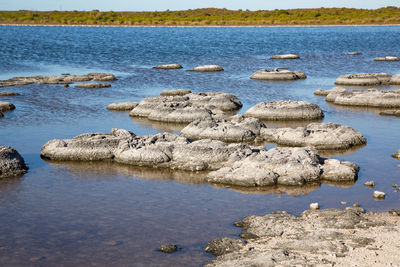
[160, 126]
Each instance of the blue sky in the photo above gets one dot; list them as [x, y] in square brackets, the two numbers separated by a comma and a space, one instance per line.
[151, 5]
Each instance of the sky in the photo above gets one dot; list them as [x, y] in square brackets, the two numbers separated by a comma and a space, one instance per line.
[160, 5]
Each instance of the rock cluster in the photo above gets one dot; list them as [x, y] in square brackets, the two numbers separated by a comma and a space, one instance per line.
[236, 164]
[387, 58]
[122, 106]
[367, 98]
[186, 108]
[285, 110]
[11, 163]
[207, 68]
[364, 79]
[63, 79]
[93, 85]
[286, 56]
[168, 66]
[278, 75]
[315, 238]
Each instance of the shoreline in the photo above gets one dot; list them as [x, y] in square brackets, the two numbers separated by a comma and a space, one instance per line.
[201, 26]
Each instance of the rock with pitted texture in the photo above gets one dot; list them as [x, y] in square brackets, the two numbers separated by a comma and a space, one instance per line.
[175, 92]
[286, 56]
[11, 163]
[285, 110]
[278, 75]
[364, 79]
[223, 246]
[122, 106]
[207, 68]
[168, 66]
[93, 85]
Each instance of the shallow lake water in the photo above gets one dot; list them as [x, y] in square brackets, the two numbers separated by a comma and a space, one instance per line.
[70, 214]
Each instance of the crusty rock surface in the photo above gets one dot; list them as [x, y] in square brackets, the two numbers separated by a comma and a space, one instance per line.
[93, 85]
[395, 80]
[207, 68]
[286, 56]
[337, 89]
[364, 79]
[122, 106]
[278, 75]
[63, 79]
[329, 237]
[6, 106]
[222, 246]
[387, 58]
[175, 92]
[11, 163]
[168, 66]
[8, 93]
[186, 108]
[285, 110]
[236, 164]
[367, 98]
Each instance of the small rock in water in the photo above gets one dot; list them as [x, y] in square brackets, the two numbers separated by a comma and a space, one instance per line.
[356, 205]
[168, 248]
[314, 206]
[379, 195]
[394, 185]
[114, 243]
[394, 212]
[36, 259]
[354, 53]
[343, 202]
[8, 94]
[66, 85]
[369, 183]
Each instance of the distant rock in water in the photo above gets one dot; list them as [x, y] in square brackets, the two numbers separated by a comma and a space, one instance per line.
[364, 79]
[93, 85]
[168, 248]
[354, 53]
[285, 110]
[278, 75]
[8, 94]
[175, 92]
[207, 68]
[233, 164]
[63, 79]
[168, 66]
[6, 106]
[387, 58]
[122, 106]
[11, 163]
[286, 56]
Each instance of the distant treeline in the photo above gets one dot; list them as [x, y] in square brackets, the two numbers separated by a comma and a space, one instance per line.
[208, 16]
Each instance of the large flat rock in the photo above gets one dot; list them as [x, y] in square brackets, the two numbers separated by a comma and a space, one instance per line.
[11, 163]
[364, 79]
[278, 75]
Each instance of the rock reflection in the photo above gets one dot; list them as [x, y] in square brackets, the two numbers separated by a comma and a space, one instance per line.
[289, 123]
[161, 126]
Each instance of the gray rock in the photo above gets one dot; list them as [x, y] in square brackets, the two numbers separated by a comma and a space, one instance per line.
[168, 66]
[236, 164]
[8, 94]
[168, 248]
[6, 106]
[122, 106]
[102, 77]
[337, 89]
[175, 92]
[367, 98]
[207, 68]
[364, 79]
[93, 85]
[11, 163]
[221, 246]
[285, 110]
[387, 58]
[286, 56]
[390, 113]
[278, 75]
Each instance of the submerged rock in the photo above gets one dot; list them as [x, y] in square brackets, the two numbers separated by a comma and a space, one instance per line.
[175, 92]
[122, 106]
[63, 79]
[315, 238]
[168, 248]
[186, 108]
[286, 56]
[285, 110]
[364, 79]
[366, 98]
[11, 163]
[168, 66]
[8, 94]
[236, 164]
[207, 68]
[387, 58]
[6, 106]
[278, 75]
[93, 85]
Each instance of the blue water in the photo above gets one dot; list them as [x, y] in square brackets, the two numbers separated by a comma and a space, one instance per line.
[101, 214]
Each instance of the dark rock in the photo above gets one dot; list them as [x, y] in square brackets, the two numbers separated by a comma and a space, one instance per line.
[8, 94]
[169, 248]
[223, 246]
[6, 106]
[11, 163]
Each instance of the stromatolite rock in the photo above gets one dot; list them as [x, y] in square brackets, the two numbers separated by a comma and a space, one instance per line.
[236, 164]
[286, 56]
[395, 80]
[387, 58]
[8, 94]
[337, 89]
[93, 85]
[11, 163]
[175, 92]
[6, 106]
[285, 110]
[278, 75]
[390, 113]
[122, 106]
[354, 53]
[364, 79]
[168, 248]
[207, 68]
[364, 98]
[186, 108]
[315, 238]
[222, 246]
[63, 79]
[168, 66]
